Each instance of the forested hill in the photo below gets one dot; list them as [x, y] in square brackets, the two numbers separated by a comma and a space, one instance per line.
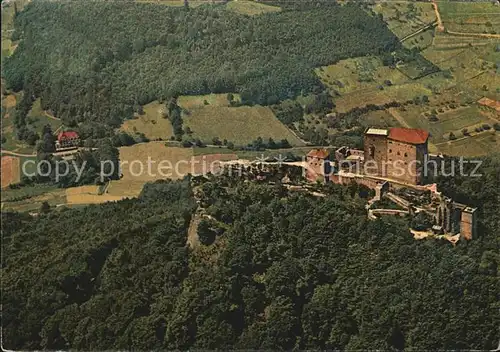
[99, 60]
[285, 271]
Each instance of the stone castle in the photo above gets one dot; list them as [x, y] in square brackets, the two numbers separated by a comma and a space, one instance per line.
[392, 159]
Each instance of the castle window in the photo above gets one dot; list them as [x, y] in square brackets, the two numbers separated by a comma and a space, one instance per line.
[399, 153]
[371, 151]
[390, 150]
[406, 154]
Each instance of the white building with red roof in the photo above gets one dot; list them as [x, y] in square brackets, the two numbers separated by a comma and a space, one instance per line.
[67, 139]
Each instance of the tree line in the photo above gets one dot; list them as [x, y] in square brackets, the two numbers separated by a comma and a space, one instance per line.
[98, 62]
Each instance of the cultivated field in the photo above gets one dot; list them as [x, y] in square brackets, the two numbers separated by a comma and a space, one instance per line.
[405, 18]
[240, 125]
[10, 171]
[151, 123]
[477, 145]
[166, 163]
[252, 8]
[88, 195]
[449, 120]
[400, 93]
[357, 74]
[470, 17]
[422, 40]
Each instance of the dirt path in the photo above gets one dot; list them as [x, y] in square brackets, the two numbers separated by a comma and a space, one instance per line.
[51, 116]
[395, 113]
[7, 152]
[441, 28]
[411, 35]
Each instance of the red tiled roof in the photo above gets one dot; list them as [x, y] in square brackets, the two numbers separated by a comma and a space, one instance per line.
[67, 135]
[408, 135]
[491, 103]
[319, 153]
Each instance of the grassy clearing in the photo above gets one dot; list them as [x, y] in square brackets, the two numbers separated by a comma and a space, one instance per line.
[251, 155]
[199, 101]
[470, 17]
[421, 41]
[490, 79]
[240, 125]
[405, 18]
[358, 74]
[175, 163]
[9, 139]
[478, 145]
[178, 3]
[88, 195]
[252, 8]
[151, 123]
[376, 96]
[37, 118]
[52, 196]
[380, 119]
[26, 192]
[8, 14]
[132, 157]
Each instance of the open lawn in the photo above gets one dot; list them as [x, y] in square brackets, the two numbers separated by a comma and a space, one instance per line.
[470, 17]
[252, 8]
[151, 123]
[240, 125]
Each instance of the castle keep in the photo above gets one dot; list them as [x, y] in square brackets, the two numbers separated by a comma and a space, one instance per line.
[396, 153]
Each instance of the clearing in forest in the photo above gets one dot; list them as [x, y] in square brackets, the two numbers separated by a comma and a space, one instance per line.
[239, 125]
[252, 8]
[405, 18]
[152, 123]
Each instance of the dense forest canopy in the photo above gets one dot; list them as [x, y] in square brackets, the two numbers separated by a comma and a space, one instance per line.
[98, 61]
[287, 270]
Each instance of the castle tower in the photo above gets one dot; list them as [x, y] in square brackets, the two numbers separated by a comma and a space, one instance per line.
[468, 223]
